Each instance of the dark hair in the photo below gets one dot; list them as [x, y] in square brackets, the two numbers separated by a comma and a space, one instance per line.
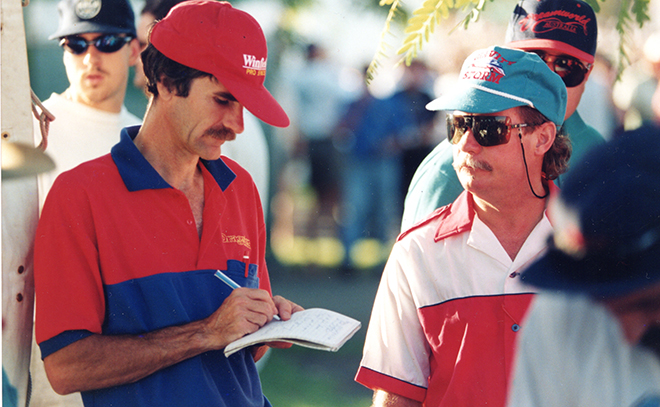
[159, 68]
[159, 8]
[555, 160]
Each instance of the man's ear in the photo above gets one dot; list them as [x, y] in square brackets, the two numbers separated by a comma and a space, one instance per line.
[545, 136]
[165, 92]
[134, 46]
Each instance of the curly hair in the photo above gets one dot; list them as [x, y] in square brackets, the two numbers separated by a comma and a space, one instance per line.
[555, 161]
[159, 68]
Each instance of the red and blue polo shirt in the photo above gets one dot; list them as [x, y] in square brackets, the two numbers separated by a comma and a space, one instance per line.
[117, 252]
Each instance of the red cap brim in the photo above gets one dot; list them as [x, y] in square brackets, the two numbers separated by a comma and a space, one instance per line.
[551, 45]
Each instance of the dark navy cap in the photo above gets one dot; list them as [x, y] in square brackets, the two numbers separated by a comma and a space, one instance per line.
[607, 221]
[566, 26]
[94, 16]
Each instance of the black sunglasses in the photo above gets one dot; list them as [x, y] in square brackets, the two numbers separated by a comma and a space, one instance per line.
[488, 130]
[107, 43]
[570, 69]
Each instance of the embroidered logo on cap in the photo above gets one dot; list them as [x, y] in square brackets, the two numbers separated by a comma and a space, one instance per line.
[254, 66]
[554, 20]
[487, 67]
[87, 9]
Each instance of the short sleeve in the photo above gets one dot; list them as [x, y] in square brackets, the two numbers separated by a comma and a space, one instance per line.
[396, 352]
[68, 284]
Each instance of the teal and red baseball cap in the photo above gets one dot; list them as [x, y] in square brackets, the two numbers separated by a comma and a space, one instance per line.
[499, 78]
[565, 26]
[218, 39]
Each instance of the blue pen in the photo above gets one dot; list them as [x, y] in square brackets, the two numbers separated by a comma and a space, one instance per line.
[231, 283]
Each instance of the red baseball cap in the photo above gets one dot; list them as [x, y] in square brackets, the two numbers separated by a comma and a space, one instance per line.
[213, 37]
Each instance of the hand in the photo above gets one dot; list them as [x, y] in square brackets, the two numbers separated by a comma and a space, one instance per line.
[285, 307]
[243, 312]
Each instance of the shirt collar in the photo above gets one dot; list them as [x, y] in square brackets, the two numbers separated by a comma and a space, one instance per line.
[138, 174]
[459, 215]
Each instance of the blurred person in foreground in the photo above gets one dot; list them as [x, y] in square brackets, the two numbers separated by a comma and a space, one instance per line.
[99, 44]
[564, 34]
[129, 312]
[450, 301]
[592, 336]
[251, 150]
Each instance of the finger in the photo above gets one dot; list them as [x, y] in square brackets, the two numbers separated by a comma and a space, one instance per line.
[279, 345]
[259, 302]
[285, 307]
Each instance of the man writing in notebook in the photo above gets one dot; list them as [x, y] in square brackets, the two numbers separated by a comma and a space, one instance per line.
[129, 311]
[450, 303]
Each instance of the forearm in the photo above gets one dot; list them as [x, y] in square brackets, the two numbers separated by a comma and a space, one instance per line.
[385, 399]
[101, 361]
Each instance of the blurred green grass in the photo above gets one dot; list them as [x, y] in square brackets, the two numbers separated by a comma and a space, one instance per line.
[301, 377]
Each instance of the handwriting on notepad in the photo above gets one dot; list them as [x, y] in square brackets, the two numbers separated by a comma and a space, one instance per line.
[315, 328]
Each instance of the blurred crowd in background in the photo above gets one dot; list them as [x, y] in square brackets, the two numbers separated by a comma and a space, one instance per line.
[340, 173]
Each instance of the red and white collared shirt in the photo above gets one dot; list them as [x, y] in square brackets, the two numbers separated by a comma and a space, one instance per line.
[448, 310]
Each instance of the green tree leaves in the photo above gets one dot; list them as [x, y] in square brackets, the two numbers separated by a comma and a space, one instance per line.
[431, 14]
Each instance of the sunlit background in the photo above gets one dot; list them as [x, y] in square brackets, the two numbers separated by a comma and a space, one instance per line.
[306, 264]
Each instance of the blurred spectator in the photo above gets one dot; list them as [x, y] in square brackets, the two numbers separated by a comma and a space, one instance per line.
[98, 51]
[642, 98]
[320, 100]
[597, 104]
[591, 337]
[153, 10]
[416, 137]
[250, 148]
[369, 135]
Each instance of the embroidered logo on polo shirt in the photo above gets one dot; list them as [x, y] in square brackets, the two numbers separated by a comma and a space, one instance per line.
[241, 240]
[254, 66]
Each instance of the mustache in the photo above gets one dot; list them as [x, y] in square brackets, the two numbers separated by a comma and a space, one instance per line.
[221, 132]
[472, 163]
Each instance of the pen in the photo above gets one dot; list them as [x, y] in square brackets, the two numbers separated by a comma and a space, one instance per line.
[231, 283]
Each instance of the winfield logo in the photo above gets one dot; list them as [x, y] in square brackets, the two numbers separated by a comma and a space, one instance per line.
[554, 20]
[254, 66]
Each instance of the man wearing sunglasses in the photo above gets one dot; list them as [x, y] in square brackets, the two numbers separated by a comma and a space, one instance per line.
[130, 312]
[564, 34]
[99, 47]
[450, 302]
